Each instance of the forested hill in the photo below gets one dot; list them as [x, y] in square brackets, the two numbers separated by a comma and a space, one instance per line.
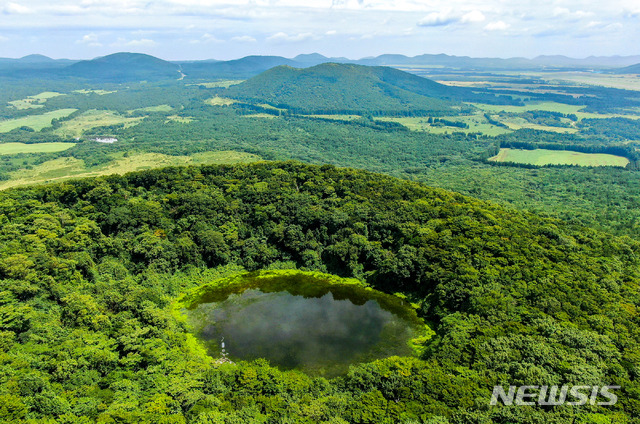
[123, 67]
[633, 69]
[88, 269]
[346, 88]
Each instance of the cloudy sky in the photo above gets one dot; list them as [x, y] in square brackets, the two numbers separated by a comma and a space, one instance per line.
[226, 29]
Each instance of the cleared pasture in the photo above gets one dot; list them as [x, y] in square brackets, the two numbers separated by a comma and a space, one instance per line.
[151, 109]
[541, 157]
[179, 119]
[35, 122]
[16, 148]
[34, 102]
[551, 107]
[98, 92]
[477, 124]
[76, 126]
[219, 84]
[65, 168]
[219, 101]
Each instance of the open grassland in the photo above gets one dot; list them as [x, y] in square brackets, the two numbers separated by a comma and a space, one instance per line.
[179, 119]
[34, 102]
[516, 123]
[260, 115]
[15, 148]
[93, 119]
[551, 107]
[625, 82]
[477, 124]
[36, 122]
[541, 157]
[268, 106]
[219, 101]
[336, 117]
[65, 168]
[98, 92]
[151, 109]
[219, 84]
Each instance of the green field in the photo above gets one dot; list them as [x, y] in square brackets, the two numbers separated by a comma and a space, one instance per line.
[180, 119]
[336, 117]
[93, 119]
[219, 101]
[541, 157]
[15, 148]
[551, 107]
[516, 123]
[477, 124]
[70, 167]
[159, 108]
[36, 122]
[219, 84]
[34, 102]
[98, 92]
[260, 115]
[625, 82]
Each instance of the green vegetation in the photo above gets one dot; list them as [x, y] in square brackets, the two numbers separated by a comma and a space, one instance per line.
[99, 92]
[15, 148]
[475, 124]
[34, 102]
[70, 167]
[79, 124]
[567, 109]
[179, 119]
[123, 67]
[542, 157]
[334, 89]
[219, 101]
[35, 122]
[219, 84]
[152, 109]
[88, 270]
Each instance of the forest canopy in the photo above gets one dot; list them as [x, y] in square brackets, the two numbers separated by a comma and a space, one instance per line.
[89, 269]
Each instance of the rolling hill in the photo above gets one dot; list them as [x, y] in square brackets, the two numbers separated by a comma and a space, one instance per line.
[89, 269]
[120, 67]
[633, 69]
[245, 67]
[348, 88]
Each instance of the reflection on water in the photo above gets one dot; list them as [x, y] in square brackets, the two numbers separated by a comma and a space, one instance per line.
[320, 335]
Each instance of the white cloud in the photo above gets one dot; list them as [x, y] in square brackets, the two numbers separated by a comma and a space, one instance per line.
[90, 40]
[16, 9]
[3, 39]
[438, 19]
[209, 38]
[143, 42]
[497, 26]
[284, 37]
[447, 17]
[473, 17]
[563, 12]
[244, 39]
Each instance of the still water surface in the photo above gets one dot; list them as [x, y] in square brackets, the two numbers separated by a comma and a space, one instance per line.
[319, 334]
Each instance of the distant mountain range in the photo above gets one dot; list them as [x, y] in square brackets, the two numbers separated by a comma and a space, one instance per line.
[120, 67]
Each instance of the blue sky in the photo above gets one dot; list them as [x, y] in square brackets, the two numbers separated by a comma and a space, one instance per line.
[227, 29]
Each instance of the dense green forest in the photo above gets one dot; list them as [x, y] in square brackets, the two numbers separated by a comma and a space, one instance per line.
[602, 198]
[89, 269]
